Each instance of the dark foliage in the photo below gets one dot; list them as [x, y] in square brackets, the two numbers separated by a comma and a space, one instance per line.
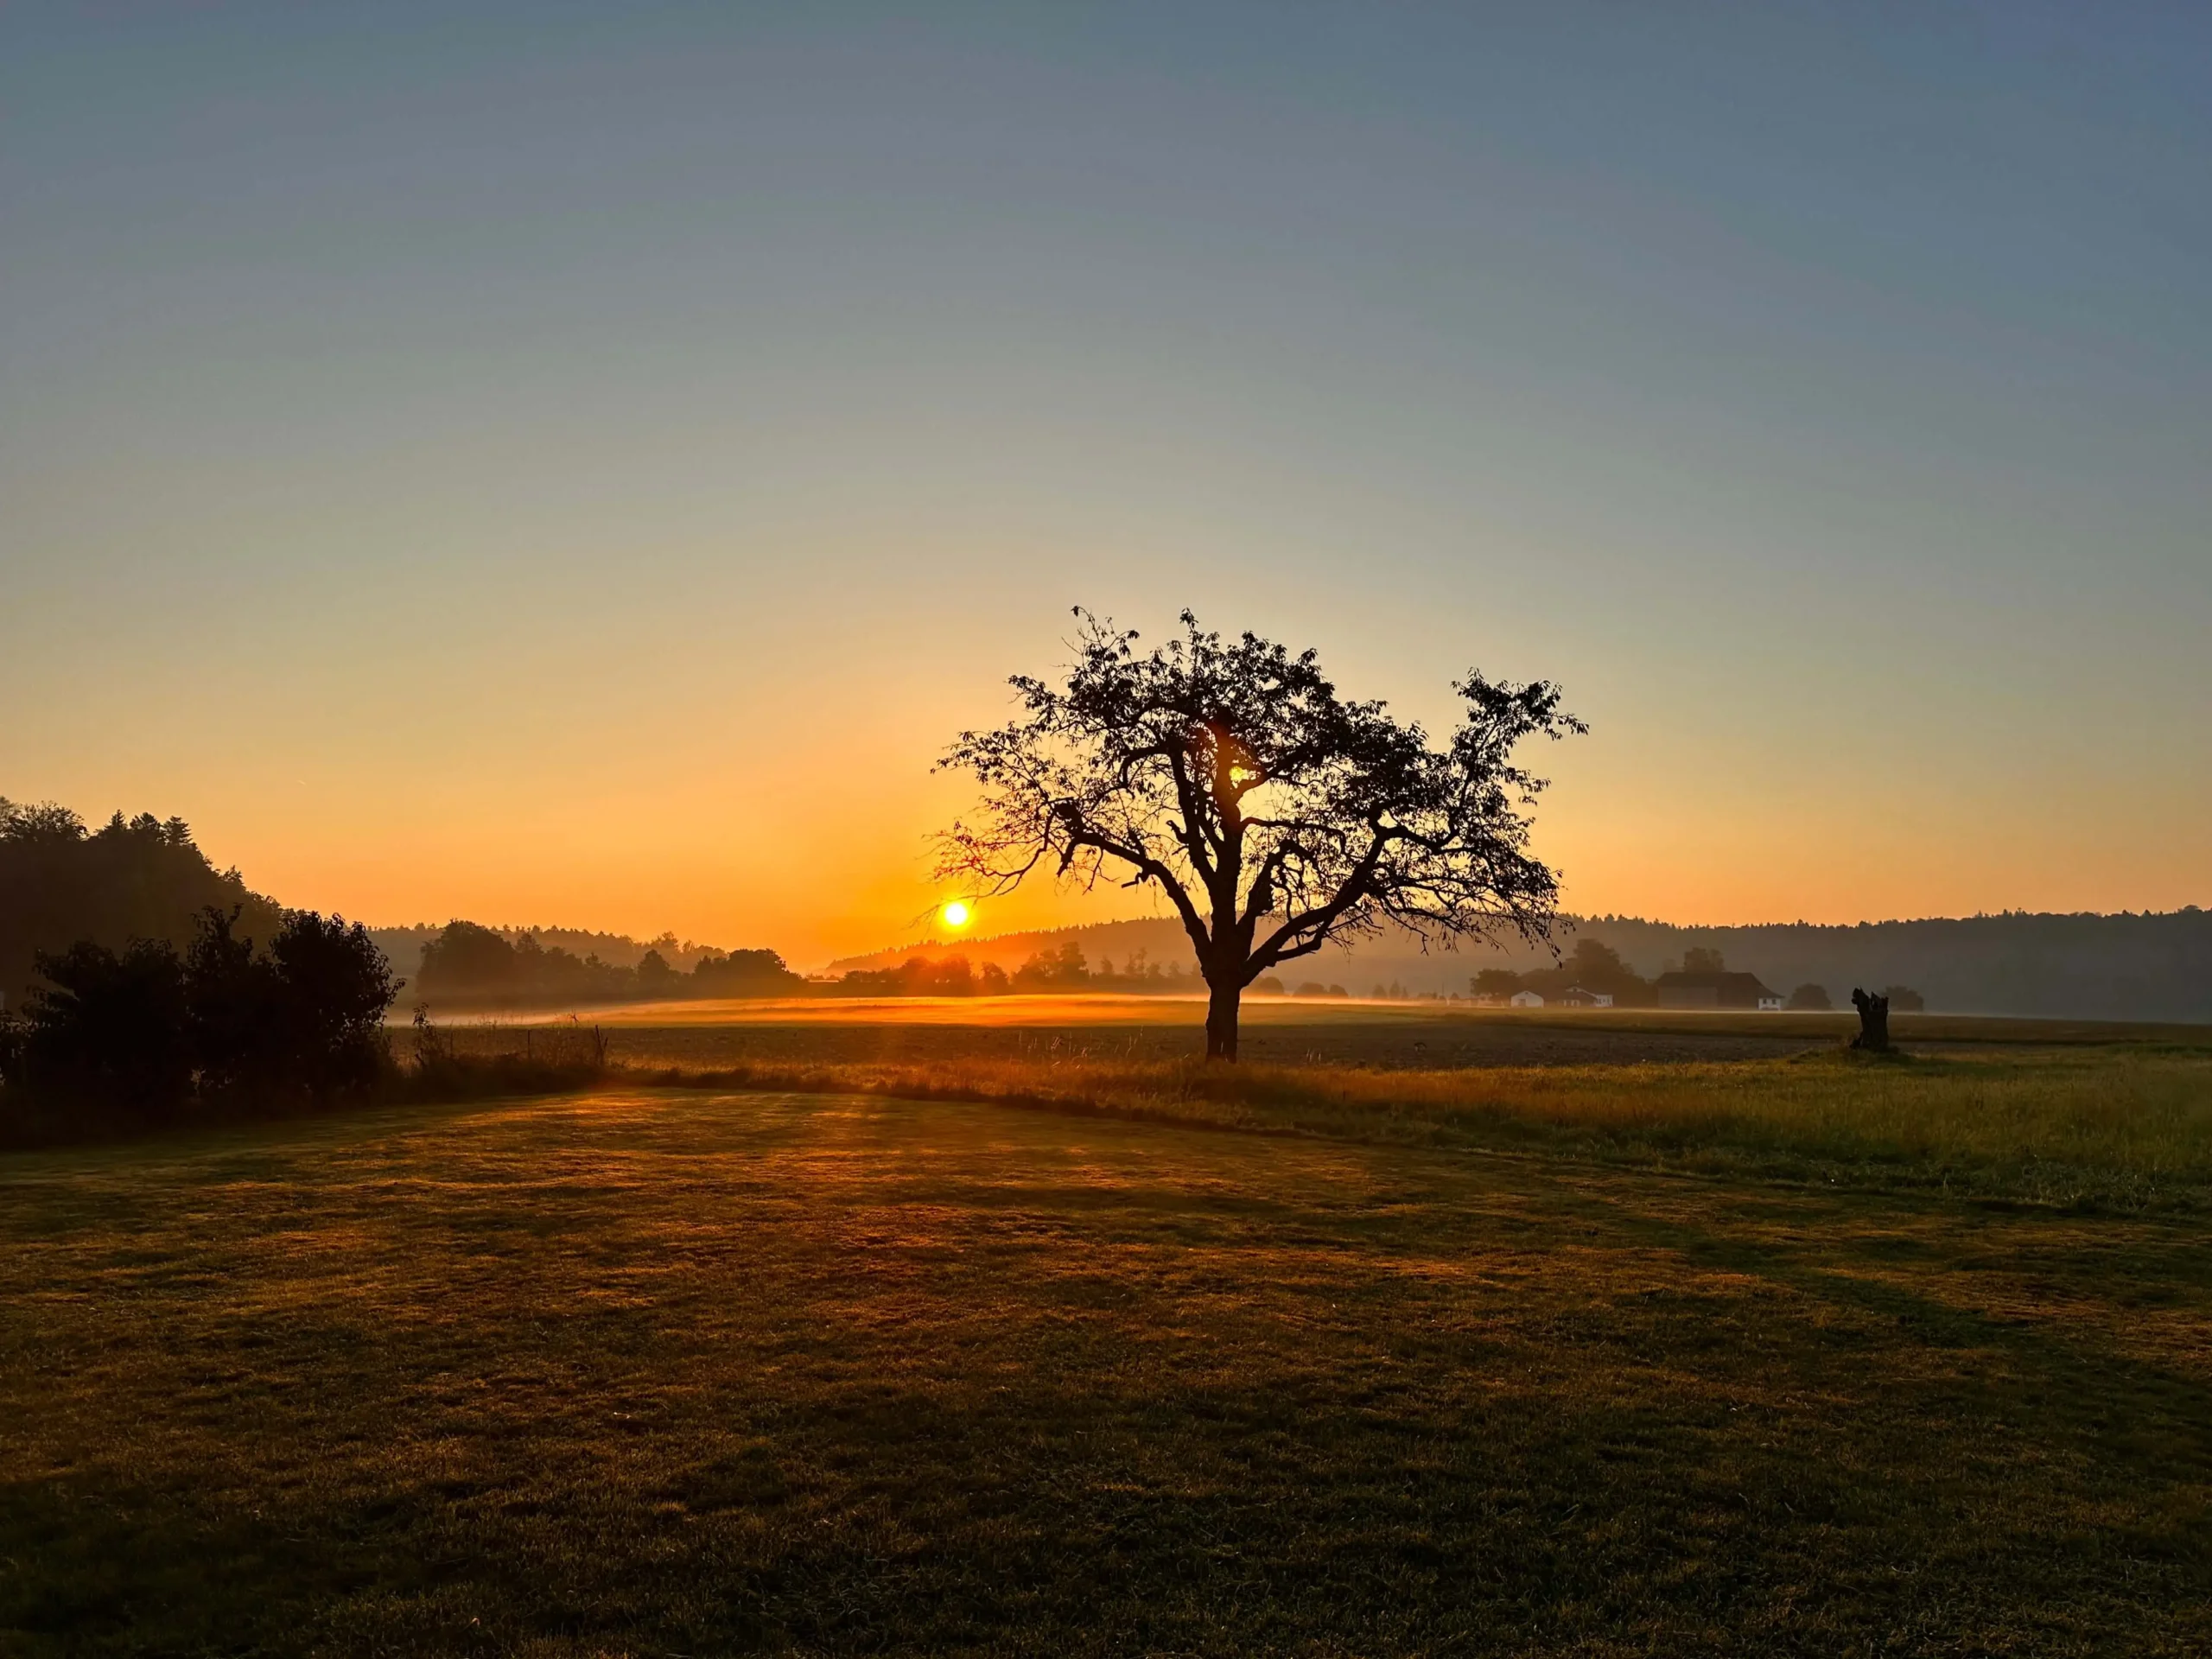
[470, 965]
[1810, 998]
[949, 976]
[1593, 966]
[1061, 970]
[139, 878]
[1274, 815]
[112, 1032]
[741, 973]
[144, 1033]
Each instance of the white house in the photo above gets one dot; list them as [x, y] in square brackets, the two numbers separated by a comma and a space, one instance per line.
[1527, 999]
[1575, 997]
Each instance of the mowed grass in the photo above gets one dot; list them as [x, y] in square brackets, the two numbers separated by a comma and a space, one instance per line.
[2124, 1128]
[656, 1371]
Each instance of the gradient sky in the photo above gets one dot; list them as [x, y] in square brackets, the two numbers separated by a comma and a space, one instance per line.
[580, 464]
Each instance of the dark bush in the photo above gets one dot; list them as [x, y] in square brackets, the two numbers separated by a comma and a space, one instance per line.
[110, 1030]
[334, 988]
[138, 1035]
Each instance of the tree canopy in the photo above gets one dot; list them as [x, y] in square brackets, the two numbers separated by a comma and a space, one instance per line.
[139, 878]
[1272, 813]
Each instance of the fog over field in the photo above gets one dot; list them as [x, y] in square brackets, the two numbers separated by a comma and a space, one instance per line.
[2124, 967]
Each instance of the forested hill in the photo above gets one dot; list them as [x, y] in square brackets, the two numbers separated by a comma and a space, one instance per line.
[2141, 966]
[135, 877]
[2128, 966]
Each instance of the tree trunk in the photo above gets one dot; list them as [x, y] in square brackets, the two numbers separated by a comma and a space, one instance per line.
[1873, 1022]
[1221, 1022]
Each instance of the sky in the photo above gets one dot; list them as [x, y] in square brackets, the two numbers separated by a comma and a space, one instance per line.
[581, 465]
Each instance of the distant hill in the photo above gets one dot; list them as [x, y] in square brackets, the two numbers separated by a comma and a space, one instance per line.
[2130, 966]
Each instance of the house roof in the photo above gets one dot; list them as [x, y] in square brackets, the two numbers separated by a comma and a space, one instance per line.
[1748, 984]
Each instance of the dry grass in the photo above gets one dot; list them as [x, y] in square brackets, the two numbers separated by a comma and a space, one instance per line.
[2119, 1128]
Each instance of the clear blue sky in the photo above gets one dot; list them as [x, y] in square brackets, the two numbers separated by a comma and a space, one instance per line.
[580, 463]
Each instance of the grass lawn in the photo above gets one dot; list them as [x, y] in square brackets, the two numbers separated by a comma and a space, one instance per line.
[1604, 1361]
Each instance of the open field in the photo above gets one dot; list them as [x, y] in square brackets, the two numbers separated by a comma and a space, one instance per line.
[1299, 1369]
[1280, 1030]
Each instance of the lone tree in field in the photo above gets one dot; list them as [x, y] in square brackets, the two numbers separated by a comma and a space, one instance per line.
[1275, 814]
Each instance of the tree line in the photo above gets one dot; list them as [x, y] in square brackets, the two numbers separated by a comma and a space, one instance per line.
[139, 878]
[468, 963]
[1060, 970]
[146, 1035]
[1596, 966]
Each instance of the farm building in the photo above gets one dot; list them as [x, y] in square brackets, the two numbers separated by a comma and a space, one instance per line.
[1575, 997]
[1528, 1000]
[1724, 990]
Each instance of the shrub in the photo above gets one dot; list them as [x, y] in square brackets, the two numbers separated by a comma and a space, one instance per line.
[141, 1032]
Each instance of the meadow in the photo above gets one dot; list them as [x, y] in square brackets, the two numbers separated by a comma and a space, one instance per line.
[1012, 1341]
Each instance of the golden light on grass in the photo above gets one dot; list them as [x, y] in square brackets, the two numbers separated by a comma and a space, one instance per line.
[956, 915]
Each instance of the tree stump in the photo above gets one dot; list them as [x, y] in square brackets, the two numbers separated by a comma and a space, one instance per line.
[1873, 1022]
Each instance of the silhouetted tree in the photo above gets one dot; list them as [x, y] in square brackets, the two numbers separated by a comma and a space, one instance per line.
[1905, 999]
[1699, 959]
[334, 988]
[139, 878]
[468, 959]
[234, 1009]
[1274, 815]
[746, 973]
[1594, 966]
[1810, 997]
[108, 1031]
[1495, 984]
[1061, 970]
[140, 1033]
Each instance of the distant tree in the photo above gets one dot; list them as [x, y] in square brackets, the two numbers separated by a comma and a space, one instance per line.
[1274, 815]
[1594, 966]
[1905, 1000]
[655, 977]
[1812, 997]
[745, 973]
[1495, 984]
[468, 959]
[1269, 985]
[1698, 959]
[1061, 970]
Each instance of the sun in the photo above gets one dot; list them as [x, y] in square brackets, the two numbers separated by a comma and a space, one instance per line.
[956, 915]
